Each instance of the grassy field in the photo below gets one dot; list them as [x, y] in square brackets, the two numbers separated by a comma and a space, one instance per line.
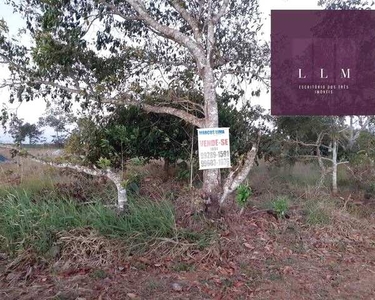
[61, 239]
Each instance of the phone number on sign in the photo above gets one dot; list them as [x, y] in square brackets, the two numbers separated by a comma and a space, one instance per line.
[220, 154]
[214, 162]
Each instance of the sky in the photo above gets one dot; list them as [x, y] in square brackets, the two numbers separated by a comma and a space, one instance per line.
[31, 111]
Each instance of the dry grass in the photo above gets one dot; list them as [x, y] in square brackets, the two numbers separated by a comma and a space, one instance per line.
[24, 171]
[87, 248]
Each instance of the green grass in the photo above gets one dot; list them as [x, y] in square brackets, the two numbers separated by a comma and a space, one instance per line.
[31, 185]
[281, 206]
[318, 216]
[201, 238]
[28, 223]
[300, 174]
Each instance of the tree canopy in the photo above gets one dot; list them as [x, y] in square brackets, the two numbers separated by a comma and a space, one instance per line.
[150, 53]
[59, 120]
[20, 131]
[171, 57]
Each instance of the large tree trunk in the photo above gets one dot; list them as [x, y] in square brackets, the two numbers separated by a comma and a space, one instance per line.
[211, 178]
[212, 181]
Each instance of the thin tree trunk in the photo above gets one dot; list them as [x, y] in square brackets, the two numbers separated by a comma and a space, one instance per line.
[191, 158]
[323, 169]
[351, 133]
[167, 165]
[334, 167]
[122, 161]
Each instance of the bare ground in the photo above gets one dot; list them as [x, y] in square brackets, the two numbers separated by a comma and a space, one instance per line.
[255, 256]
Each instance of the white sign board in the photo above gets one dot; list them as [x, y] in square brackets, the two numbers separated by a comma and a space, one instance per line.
[213, 148]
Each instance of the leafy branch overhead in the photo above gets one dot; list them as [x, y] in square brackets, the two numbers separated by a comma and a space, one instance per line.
[133, 52]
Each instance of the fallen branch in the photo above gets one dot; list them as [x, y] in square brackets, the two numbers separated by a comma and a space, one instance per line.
[111, 175]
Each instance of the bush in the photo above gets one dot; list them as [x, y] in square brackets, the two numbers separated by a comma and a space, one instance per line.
[243, 193]
[132, 183]
[183, 171]
[281, 206]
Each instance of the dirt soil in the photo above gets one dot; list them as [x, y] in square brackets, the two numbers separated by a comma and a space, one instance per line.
[255, 257]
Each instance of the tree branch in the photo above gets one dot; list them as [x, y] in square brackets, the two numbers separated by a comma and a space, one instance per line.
[323, 158]
[75, 90]
[187, 117]
[221, 12]
[175, 112]
[189, 19]
[314, 157]
[309, 145]
[168, 32]
[115, 178]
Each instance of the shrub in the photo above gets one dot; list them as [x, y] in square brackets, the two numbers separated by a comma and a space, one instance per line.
[243, 194]
[133, 183]
[281, 206]
[183, 175]
[137, 161]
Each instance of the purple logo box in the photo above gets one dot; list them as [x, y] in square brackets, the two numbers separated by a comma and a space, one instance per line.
[323, 62]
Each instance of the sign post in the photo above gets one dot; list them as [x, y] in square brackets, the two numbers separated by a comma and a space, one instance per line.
[213, 148]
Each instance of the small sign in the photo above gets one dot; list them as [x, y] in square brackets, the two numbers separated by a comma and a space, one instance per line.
[213, 148]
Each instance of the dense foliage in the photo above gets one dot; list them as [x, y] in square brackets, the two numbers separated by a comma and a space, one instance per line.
[131, 132]
[20, 131]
